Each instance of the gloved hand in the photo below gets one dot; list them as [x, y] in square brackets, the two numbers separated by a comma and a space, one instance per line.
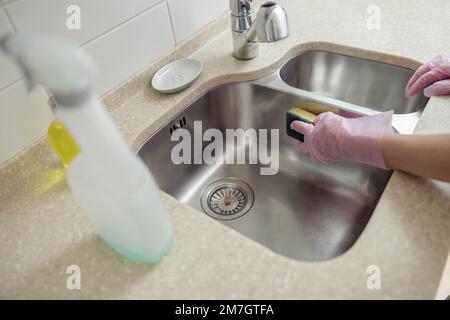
[433, 76]
[334, 138]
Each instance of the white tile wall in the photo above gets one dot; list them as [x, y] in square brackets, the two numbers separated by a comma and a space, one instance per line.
[97, 16]
[24, 118]
[189, 16]
[131, 47]
[123, 36]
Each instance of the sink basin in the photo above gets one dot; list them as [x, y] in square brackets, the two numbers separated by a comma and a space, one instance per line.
[375, 85]
[307, 211]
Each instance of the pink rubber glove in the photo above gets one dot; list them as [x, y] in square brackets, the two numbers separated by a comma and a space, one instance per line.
[433, 76]
[334, 138]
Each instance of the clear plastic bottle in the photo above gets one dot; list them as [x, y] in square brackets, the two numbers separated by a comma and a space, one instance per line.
[112, 184]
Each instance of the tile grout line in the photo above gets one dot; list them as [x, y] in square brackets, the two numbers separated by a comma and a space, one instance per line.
[171, 23]
[116, 27]
[10, 20]
[10, 84]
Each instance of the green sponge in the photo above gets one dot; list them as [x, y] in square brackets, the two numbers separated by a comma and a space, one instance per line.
[294, 114]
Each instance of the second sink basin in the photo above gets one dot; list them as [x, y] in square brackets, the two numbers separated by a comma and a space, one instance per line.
[375, 85]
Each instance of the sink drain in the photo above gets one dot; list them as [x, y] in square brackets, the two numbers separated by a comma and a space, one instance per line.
[227, 199]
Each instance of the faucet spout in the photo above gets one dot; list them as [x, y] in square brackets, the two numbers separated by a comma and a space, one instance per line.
[270, 25]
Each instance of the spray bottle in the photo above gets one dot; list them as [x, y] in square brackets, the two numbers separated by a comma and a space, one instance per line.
[113, 186]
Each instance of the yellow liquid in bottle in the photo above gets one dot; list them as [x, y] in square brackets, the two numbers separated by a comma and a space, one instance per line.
[62, 142]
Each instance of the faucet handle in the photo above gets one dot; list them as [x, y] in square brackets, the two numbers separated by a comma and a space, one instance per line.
[241, 7]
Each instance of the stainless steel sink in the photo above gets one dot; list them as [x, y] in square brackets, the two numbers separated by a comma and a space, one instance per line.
[371, 84]
[308, 211]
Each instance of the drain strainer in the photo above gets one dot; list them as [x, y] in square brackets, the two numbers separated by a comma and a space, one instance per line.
[227, 199]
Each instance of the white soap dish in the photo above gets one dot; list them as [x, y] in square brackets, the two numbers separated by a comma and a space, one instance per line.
[176, 75]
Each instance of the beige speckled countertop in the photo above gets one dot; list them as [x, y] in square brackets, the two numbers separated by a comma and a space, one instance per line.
[43, 230]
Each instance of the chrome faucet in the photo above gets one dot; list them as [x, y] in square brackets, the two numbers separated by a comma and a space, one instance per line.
[270, 25]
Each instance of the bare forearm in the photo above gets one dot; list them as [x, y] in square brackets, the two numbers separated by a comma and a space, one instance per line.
[426, 156]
